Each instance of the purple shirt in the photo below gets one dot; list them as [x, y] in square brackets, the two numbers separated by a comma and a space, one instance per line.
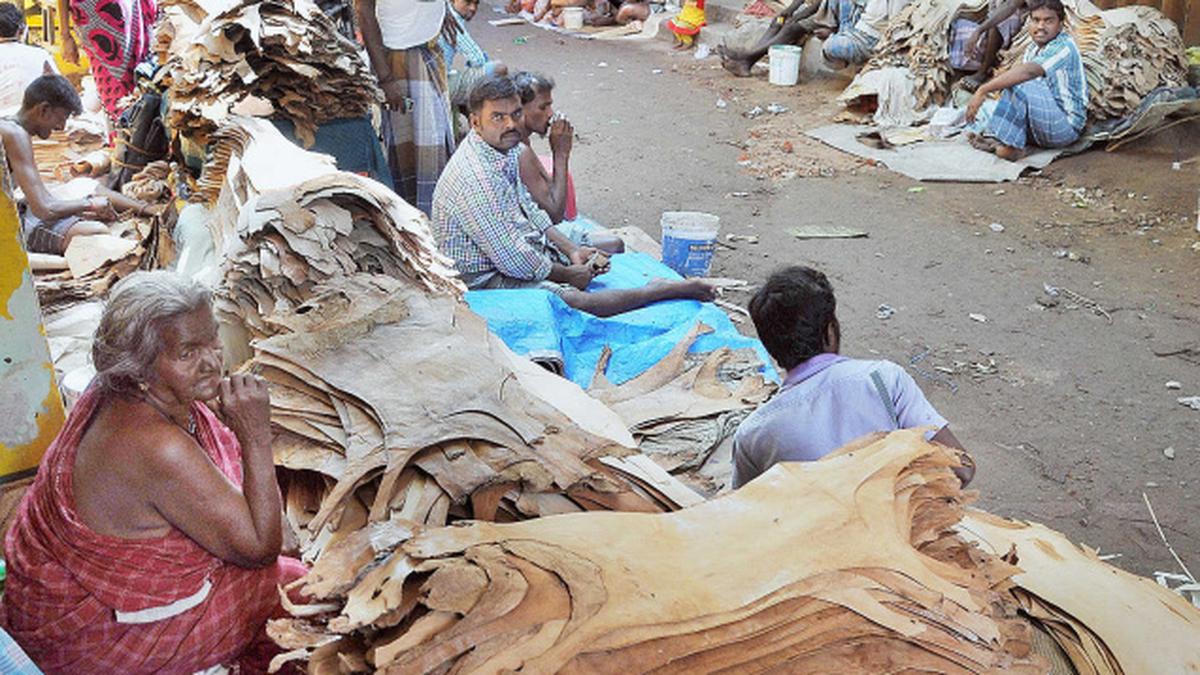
[825, 403]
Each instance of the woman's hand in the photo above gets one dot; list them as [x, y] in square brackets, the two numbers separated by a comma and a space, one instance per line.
[245, 405]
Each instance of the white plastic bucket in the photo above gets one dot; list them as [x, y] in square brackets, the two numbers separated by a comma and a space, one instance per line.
[572, 18]
[785, 65]
[688, 241]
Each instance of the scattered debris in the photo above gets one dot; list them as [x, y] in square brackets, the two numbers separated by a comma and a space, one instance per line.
[1169, 453]
[1192, 402]
[996, 227]
[1072, 256]
[748, 238]
[520, 40]
[978, 317]
[885, 312]
[1078, 300]
[738, 195]
[702, 52]
[827, 232]
[658, 71]
[776, 109]
[1174, 385]
[602, 64]
[917, 189]
[721, 104]
[753, 113]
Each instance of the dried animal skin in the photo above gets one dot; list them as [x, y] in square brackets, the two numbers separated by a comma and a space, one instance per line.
[1106, 620]
[226, 58]
[688, 592]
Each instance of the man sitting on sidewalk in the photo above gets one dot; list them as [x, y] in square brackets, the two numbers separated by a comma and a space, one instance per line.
[498, 237]
[1044, 97]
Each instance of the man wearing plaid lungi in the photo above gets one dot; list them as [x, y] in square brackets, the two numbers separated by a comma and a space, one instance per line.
[1045, 97]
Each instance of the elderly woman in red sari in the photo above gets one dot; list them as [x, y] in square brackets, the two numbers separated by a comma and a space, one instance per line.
[150, 540]
[117, 36]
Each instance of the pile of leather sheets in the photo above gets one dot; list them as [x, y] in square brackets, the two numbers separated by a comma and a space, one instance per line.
[1127, 52]
[263, 58]
[846, 565]
[856, 563]
[390, 397]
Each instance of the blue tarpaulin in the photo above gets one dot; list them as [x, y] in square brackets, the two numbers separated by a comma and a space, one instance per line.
[538, 322]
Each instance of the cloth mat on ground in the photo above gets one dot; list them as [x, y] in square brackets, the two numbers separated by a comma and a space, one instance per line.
[538, 324]
[949, 160]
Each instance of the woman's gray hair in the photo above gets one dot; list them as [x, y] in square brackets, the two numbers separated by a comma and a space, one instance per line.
[129, 338]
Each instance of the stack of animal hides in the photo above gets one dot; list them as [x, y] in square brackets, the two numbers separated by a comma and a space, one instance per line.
[261, 58]
[391, 398]
[1127, 53]
[851, 564]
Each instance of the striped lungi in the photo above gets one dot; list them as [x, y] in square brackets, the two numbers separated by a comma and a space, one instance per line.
[419, 142]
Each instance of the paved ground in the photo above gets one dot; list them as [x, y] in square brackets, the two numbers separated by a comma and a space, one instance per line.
[1066, 411]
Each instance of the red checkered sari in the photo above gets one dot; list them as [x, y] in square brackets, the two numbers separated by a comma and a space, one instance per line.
[67, 584]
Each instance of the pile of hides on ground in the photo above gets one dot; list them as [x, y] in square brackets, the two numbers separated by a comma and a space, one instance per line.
[850, 564]
[78, 150]
[260, 58]
[1127, 53]
[390, 398]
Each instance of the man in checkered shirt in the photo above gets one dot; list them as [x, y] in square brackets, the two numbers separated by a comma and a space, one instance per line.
[485, 219]
[1045, 97]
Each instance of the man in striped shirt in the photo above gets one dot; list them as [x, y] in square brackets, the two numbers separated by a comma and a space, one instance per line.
[497, 235]
[1045, 97]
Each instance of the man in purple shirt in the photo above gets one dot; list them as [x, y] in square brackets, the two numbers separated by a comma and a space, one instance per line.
[827, 400]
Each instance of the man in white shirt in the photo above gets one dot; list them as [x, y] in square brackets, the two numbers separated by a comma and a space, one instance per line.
[20, 63]
[401, 38]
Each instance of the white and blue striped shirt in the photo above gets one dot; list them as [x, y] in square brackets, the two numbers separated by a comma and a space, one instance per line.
[1064, 75]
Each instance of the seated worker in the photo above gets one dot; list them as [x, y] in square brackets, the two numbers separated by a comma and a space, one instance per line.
[1044, 97]
[826, 400]
[975, 47]
[548, 179]
[20, 63]
[459, 41]
[849, 41]
[48, 223]
[150, 539]
[486, 221]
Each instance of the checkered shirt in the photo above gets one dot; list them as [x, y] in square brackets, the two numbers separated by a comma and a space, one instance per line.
[1064, 75]
[485, 219]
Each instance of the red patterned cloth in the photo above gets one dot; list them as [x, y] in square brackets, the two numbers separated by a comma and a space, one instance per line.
[66, 583]
[117, 36]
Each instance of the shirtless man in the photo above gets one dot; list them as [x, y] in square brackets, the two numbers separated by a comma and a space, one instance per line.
[552, 191]
[485, 220]
[48, 223]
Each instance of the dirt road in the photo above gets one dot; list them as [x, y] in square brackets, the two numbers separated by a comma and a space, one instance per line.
[1066, 409]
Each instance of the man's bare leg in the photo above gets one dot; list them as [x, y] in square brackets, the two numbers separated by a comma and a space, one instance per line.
[633, 11]
[83, 228]
[981, 142]
[1009, 152]
[991, 54]
[613, 302]
[740, 62]
[608, 243]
